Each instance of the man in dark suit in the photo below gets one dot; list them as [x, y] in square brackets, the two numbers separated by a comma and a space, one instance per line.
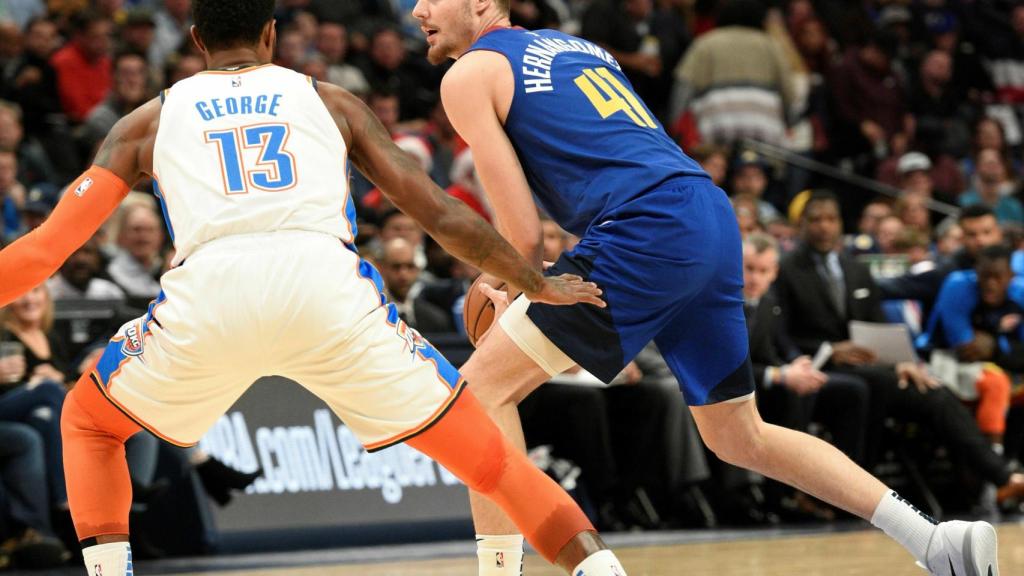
[790, 391]
[822, 289]
[400, 273]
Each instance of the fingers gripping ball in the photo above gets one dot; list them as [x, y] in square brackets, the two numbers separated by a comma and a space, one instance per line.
[478, 310]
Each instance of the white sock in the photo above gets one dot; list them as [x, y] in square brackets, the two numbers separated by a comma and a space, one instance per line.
[500, 555]
[113, 559]
[905, 524]
[602, 563]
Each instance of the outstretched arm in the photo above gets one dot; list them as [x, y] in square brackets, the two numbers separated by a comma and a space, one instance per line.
[458, 229]
[88, 202]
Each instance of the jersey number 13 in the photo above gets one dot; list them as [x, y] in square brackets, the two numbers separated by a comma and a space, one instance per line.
[274, 169]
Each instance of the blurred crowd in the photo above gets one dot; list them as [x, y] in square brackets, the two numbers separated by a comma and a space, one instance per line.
[923, 98]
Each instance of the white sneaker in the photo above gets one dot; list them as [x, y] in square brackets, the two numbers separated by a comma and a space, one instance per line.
[963, 549]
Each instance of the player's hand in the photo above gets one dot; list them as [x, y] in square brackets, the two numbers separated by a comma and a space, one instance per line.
[566, 290]
[802, 378]
[851, 354]
[45, 372]
[910, 372]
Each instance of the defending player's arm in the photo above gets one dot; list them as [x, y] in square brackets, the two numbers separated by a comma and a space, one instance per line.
[473, 91]
[88, 202]
[458, 229]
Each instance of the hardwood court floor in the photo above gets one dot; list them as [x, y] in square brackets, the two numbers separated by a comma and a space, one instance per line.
[864, 553]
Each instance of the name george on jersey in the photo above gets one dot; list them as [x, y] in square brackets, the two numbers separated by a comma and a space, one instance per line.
[541, 52]
[238, 105]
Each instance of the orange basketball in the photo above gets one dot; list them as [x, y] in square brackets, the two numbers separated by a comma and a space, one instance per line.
[478, 310]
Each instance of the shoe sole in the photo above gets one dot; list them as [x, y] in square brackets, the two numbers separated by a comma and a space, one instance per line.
[982, 547]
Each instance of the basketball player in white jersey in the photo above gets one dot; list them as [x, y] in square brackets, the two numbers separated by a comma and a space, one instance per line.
[249, 163]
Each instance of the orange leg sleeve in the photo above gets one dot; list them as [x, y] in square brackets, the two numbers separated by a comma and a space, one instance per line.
[993, 401]
[99, 488]
[470, 445]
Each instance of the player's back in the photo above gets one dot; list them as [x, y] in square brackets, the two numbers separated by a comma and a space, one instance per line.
[587, 144]
[247, 152]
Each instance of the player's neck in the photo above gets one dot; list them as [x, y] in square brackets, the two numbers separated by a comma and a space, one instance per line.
[491, 22]
[233, 58]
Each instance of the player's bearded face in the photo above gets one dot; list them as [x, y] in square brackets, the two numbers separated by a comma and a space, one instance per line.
[449, 29]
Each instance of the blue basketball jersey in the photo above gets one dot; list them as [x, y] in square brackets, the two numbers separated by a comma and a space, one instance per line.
[586, 142]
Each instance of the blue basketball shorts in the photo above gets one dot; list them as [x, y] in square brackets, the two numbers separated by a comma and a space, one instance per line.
[671, 266]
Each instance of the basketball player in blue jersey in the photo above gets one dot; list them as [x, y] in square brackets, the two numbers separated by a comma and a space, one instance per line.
[553, 114]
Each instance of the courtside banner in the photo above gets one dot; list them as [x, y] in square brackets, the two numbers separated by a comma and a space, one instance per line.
[315, 472]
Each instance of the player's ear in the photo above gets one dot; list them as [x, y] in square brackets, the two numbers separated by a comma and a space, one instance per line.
[269, 36]
[194, 32]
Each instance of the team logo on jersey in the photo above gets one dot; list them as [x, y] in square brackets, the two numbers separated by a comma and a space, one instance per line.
[236, 82]
[84, 187]
[499, 559]
[413, 341]
[133, 341]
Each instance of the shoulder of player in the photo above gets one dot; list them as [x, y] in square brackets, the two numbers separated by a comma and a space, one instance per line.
[477, 72]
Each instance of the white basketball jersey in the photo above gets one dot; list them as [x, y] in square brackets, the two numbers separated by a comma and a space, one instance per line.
[247, 152]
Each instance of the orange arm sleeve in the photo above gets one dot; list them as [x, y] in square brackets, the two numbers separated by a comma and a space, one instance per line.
[33, 258]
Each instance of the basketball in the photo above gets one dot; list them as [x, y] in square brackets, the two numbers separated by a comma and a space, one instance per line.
[478, 310]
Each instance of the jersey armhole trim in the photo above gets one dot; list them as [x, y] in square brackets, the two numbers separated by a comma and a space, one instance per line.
[163, 95]
[312, 82]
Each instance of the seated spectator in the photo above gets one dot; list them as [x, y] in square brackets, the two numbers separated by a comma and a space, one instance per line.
[131, 90]
[83, 65]
[137, 264]
[173, 21]
[292, 49]
[138, 36]
[332, 43]
[978, 315]
[949, 239]
[714, 160]
[822, 289]
[750, 178]
[866, 239]
[33, 389]
[184, 66]
[12, 197]
[988, 133]
[993, 186]
[401, 277]
[889, 231]
[938, 107]
[34, 166]
[29, 541]
[390, 67]
[747, 215]
[467, 187]
[912, 210]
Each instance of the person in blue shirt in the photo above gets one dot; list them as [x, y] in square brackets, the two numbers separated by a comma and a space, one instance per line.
[552, 118]
[978, 315]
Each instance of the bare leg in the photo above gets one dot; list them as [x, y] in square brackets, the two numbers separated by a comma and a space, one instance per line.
[736, 433]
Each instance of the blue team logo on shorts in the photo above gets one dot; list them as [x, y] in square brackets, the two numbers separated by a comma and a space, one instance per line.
[132, 340]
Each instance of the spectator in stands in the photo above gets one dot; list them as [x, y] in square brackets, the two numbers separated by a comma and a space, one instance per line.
[292, 49]
[1003, 48]
[734, 81]
[29, 543]
[646, 41]
[870, 109]
[820, 290]
[750, 178]
[979, 316]
[988, 133]
[714, 160]
[914, 173]
[912, 210]
[401, 277]
[83, 65]
[173, 22]
[390, 66]
[467, 187]
[131, 90]
[791, 391]
[12, 197]
[866, 239]
[938, 108]
[533, 14]
[980, 229]
[949, 239]
[35, 396]
[332, 43]
[34, 167]
[993, 187]
[889, 231]
[138, 36]
[747, 217]
[445, 144]
[136, 265]
[184, 66]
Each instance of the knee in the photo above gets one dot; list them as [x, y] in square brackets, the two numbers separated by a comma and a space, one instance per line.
[742, 446]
